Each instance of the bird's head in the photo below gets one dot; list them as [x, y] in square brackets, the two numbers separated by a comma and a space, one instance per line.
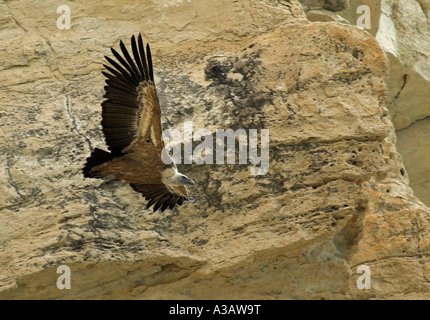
[179, 179]
[183, 179]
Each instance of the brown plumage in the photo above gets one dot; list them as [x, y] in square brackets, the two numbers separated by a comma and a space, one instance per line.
[132, 128]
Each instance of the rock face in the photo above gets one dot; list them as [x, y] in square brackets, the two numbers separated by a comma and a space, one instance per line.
[335, 197]
[402, 30]
[404, 34]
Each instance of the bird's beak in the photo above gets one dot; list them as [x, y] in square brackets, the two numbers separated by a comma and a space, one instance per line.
[185, 180]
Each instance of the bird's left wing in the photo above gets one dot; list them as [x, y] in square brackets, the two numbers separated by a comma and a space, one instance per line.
[160, 196]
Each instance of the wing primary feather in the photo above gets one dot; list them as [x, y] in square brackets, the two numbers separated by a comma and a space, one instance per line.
[118, 75]
[173, 202]
[123, 62]
[130, 60]
[161, 201]
[122, 71]
[120, 85]
[136, 56]
[166, 202]
[142, 57]
[118, 78]
[154, 200]
[148, 54]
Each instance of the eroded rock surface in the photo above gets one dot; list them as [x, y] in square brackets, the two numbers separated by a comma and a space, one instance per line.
[336, 195]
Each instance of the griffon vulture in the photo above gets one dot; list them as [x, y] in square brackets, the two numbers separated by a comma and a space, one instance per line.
[132, 129]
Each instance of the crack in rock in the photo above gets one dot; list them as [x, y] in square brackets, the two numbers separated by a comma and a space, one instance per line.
[11, 182]
[68, 107]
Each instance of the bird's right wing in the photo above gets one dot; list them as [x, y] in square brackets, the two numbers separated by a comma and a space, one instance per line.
[131, 111]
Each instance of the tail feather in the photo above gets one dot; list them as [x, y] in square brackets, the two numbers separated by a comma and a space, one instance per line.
[96, 158]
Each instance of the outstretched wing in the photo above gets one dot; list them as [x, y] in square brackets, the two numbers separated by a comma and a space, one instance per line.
[131, 111]
[159, 195]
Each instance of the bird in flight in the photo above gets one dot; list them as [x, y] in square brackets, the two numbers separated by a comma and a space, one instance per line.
[132, 129]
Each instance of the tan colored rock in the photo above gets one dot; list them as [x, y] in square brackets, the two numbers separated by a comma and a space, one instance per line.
[335, 197]
[402, 30]
[403, 35]
[332, 5]
[409, 82]
[324, 16]
[350, 13]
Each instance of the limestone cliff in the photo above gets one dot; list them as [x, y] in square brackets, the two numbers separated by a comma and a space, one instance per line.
[336, 195]
[402, 30]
